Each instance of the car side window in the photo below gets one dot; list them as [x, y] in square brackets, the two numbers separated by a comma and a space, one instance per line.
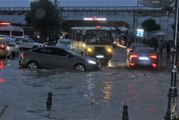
[18, 41]
[60, 52]
[26, 41]
[43, 51]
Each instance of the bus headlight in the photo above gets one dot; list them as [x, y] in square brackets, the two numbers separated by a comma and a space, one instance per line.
[109, 50]
[89, 49]
[8, 48]
[84, 45]
[91, 62]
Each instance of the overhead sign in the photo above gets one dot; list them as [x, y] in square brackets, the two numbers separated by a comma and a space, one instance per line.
[156, 3]
[94, 19]
[140, 33]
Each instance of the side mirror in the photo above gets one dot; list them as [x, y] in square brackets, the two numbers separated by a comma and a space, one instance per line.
[68, 56]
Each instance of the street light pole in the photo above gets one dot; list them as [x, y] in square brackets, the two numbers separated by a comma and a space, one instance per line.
[171, 113]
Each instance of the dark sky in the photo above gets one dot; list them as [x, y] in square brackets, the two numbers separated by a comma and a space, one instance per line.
[26, 3]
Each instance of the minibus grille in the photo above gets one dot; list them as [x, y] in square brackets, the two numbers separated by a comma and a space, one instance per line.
[100, 50]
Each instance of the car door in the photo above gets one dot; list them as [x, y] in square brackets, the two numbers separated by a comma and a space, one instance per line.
[45, 57]
[62, 58]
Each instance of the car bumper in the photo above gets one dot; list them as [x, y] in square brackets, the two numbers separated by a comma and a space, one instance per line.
[23, 62]
[94, 66]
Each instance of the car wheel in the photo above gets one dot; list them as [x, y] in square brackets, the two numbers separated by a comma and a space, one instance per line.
[32, 65]
[80, 67]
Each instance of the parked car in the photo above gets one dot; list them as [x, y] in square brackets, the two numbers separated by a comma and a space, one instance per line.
[63, 43]
[132, 47]
[13, 48]
[4, 48]
[143, 56]
[28, 43]
[56, 57]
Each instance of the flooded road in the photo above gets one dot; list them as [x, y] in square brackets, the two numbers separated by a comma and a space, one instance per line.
[97, 95]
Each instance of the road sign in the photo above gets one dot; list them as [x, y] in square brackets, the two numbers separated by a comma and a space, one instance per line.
[156, 3]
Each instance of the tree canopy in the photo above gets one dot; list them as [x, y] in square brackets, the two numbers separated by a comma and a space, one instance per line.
[150, 25]
[45, 16]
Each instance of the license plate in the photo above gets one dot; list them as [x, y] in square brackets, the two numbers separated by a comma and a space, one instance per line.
[143, 58]
[99, 56]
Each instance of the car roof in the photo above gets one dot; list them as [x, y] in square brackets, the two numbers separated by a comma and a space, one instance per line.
[137, 44]
[64, 48]
[64, 40]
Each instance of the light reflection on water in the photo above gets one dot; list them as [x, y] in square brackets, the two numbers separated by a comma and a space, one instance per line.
[2, 66]
[107, 90]
[2, 80]
[90, 87]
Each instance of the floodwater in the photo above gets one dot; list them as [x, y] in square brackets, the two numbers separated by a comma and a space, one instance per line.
[98, 95]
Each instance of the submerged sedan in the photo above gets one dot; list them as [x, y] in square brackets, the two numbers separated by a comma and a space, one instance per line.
[143, 56]
[55, 57]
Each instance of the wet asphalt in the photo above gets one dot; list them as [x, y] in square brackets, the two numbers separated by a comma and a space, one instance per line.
[95, 95]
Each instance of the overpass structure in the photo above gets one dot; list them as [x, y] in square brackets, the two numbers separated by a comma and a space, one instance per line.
[132, 15]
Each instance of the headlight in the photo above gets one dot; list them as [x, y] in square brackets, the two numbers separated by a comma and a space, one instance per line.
[109, 50]
[89, 50]
[8, 48]
[91, 62]
[84, 45]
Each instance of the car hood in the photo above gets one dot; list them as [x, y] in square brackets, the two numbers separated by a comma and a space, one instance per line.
[89, 58]
[38, 43]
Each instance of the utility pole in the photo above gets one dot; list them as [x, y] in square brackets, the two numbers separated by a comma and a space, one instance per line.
[171, 113]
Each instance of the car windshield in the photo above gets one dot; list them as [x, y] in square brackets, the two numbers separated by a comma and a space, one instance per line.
[144, 50]
[30, 40]
[98, 37]
[2, 42]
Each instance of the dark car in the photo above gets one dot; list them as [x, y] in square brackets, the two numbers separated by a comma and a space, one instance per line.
[55, 57]
[132, 47]
[143, 56]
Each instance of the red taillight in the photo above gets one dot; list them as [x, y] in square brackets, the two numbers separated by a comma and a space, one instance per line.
[133, 56]
[154, 65]
[153, 56]
[132, 64]
[2, 46]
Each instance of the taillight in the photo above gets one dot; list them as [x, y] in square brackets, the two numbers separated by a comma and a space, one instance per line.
[153, 56]
[132, 64]
[154, 65]
[133, 56]
[2, 46]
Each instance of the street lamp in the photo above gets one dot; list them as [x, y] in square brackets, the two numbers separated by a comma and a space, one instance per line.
[171, 113]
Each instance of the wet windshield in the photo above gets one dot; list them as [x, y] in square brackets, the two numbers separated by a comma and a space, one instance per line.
[102, 37]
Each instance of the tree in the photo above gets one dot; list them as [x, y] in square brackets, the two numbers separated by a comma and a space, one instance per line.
[45, 16]
[150, 25]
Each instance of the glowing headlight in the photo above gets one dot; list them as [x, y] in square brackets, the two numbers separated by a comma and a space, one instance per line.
[91, 62]
[84, 45]
[8, 48]
[89, 50]
[109, 50]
